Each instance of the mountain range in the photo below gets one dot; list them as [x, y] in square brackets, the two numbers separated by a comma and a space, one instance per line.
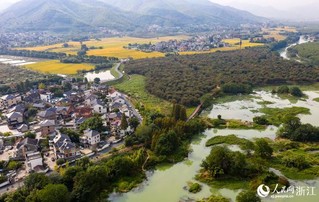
[121, 15]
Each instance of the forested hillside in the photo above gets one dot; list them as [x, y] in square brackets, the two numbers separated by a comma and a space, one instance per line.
[185, 79]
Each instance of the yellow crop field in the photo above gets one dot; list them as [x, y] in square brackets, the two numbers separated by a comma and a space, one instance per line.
[114, 47]
[275, 32]
[234, 46]
[55, 67]
[111, 47]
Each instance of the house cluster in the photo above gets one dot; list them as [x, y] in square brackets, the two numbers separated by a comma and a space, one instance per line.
[42, 113]
[23, 39]
[196, 43]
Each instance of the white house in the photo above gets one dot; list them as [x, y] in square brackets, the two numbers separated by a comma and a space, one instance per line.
[91, 137]
[99, 107]
[47, 97]
[33, 160]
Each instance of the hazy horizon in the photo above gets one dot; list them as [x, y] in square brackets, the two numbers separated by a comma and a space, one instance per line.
[284, 9]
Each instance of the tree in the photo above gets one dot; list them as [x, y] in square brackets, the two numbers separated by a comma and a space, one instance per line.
[54, 193]
[65, 45]
[295, 91]
[13, 165]
[88, 185]
[134, 122]
[30, 135]
[69, 175]
[263, 149]
[36, 181]
[60, 161]
[179, 112]
[283, 90]
[94, 123]
[41, 86]
[218, 162]
[97, 80]
[247, 196]
[124, 123]
[260, 120]
[74, 135]
[167, 143]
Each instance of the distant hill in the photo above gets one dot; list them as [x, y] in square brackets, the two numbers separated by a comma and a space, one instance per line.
[122, 15]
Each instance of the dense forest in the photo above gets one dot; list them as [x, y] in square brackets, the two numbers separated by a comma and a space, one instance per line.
[184, 79]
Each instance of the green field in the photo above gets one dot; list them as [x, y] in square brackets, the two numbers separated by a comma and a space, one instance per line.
[134, 86]
[308, 52]
[55, 67]
[276, 116]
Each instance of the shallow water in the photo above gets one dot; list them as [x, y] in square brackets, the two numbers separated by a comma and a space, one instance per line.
[103, 75]
[166, 183]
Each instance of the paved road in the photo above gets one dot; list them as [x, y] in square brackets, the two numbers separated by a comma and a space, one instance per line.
[118, 71]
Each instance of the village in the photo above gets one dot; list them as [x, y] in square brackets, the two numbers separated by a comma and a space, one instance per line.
[195, 43]
[42, 130]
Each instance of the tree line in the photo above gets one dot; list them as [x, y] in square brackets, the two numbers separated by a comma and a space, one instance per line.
[185, 79]
[63, 57]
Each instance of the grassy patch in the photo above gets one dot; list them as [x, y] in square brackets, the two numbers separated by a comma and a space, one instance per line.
[135, 88]
[194, 187]
[264, 102]
[230, 139]
[316, 99]
[114, 72]
[55, 67]
[232, 98]
[233, 124]
[276, 115]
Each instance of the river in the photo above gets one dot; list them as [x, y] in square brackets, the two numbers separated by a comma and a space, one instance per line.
[303, 39]
[166, 183]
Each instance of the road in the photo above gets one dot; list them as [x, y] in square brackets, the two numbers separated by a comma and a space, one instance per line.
[118, 71]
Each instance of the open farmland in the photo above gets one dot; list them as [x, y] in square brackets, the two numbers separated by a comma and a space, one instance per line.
[276, 32]
[111, 47]
[55, 67]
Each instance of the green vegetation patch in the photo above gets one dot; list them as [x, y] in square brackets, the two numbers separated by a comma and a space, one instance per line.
[194, 187]
[276, 116]
[135, 88]
[308, 52]
[316, 99]
[229, 139]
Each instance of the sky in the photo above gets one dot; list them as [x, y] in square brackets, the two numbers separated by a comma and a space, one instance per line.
[274, 3]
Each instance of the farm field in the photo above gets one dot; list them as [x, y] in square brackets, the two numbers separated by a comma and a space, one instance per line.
[55, 67]
[111, 47]
[275, 32]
